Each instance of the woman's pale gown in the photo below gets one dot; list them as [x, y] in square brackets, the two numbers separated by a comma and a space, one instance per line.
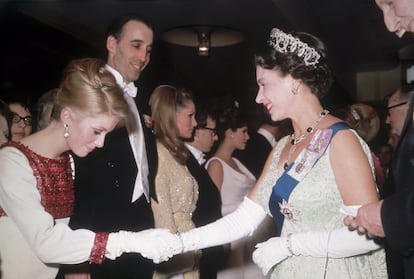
[316, 202]
[177, 193]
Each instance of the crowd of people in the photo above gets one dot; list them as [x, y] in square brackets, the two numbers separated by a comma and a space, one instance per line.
[92, 187]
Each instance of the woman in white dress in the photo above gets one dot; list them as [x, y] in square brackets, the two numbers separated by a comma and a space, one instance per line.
[234, 182]
[311, 180]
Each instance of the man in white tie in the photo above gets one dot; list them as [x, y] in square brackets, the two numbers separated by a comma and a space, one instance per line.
[204, 136]
[115, 183]
[208, 208]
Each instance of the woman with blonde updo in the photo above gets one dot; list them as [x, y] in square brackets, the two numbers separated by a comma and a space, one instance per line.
[36, 182]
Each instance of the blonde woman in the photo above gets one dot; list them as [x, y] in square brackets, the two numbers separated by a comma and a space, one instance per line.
[36, 183]
[173, 115]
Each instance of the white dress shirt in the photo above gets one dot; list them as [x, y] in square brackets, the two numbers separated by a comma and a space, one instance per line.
[200, 156]
[270, 138]
[136, 137]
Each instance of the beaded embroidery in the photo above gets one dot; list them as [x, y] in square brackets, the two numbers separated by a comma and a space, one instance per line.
[97, 255]
[54, 179]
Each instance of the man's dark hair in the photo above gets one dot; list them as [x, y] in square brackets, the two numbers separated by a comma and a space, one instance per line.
[201, 116]
[116, 27]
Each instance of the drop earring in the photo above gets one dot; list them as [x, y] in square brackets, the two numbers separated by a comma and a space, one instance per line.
[66, 133]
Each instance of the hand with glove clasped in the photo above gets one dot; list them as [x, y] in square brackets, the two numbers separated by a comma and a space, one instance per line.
[338, 243]
[156, 244]
[271, 252]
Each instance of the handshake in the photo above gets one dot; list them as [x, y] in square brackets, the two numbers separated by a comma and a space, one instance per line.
[160, 244]
[156, 244]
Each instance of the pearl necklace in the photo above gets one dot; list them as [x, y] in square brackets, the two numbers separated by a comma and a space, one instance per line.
[294, 141]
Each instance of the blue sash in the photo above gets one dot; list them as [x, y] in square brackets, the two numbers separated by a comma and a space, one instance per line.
[297, 171]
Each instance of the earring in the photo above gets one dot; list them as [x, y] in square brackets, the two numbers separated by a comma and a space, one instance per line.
[294, 91]
[66, 133]
[232, 135]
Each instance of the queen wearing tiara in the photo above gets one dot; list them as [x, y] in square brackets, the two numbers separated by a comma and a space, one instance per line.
[312, 179]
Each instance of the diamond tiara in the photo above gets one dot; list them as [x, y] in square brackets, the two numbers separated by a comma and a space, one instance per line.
[284, 43]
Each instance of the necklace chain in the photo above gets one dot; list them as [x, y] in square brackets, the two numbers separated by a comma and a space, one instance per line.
[294, 141]
[309, 130]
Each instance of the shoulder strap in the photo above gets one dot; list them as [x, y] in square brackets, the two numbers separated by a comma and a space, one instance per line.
[295, 173]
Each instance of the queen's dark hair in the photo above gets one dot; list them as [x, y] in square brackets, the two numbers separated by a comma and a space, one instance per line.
[318, 77]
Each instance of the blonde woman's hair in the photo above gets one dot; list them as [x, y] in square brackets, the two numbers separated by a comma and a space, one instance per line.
[165, 102]
[88, 87]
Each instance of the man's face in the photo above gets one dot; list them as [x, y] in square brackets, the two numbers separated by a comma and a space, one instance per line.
[130, 54]
[398, 15]
[397, 112]
[204, 138]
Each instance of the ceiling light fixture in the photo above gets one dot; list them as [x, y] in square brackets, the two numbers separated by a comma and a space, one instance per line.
[203, 42]
[203, 37]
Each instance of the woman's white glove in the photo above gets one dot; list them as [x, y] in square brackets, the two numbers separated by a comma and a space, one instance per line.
[270, 253]
[241, 222]
[155, 244]
[339, 243]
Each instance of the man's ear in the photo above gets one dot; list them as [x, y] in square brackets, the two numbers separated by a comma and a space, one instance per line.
[196, 133]
[110, 44]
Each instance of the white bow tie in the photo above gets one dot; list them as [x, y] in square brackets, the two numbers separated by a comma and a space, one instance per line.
[131, 89]
[201, 159]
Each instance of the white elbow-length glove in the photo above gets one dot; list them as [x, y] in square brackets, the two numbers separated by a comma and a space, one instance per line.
[339, 243]
[155, 244]
[243, 221]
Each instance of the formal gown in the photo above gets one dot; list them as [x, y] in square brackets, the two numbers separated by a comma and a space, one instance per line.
[36, 194]
[177, 193]
[236, 185]
[315, 203]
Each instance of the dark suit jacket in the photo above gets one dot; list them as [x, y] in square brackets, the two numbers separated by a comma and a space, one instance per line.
[255, 154]
[104, 183]
[397, 212]
[208, 209]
